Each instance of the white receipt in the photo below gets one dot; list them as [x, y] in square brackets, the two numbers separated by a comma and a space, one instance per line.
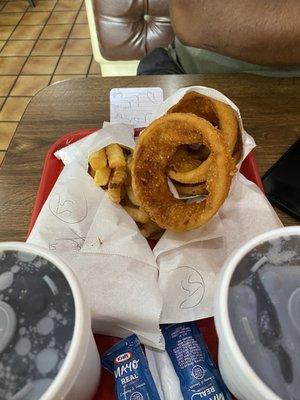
[135, 106]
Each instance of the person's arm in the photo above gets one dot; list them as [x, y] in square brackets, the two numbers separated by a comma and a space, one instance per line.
[265, 32]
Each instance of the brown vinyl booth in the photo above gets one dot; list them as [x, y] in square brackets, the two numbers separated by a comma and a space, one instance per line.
[123, 31]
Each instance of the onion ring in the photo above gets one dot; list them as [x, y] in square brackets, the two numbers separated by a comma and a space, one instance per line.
[198, 189]
[155, 148]
[220, 115]
[183, 161]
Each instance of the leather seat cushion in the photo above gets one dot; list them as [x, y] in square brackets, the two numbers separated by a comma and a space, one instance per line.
[129, 29]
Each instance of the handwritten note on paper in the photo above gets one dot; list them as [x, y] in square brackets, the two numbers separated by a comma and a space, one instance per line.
[134, 106]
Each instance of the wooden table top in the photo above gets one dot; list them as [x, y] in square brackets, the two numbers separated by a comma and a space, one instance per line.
[269, 106]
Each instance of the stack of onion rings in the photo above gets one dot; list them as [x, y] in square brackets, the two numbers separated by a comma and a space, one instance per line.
[221, 116]
[154, 151]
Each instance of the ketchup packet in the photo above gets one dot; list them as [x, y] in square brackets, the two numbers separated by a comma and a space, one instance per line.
[199, 377]
[126, 360]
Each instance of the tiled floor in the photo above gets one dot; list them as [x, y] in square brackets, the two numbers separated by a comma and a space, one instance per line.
[39, 46]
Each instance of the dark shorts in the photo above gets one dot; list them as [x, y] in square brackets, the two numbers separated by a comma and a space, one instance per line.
[158, 62]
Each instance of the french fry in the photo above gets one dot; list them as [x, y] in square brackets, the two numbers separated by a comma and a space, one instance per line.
[115, 194]
[149, 229]
[128, 168]
[128, 180]
[132, 196]
[98, 160]
[138, 214]
[129, 164]
[115, 156]
[118, 178]
[102, 175]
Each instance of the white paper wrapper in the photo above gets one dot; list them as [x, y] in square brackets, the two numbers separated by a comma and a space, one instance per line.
[103, 246]
[81, 150]
[114, 263]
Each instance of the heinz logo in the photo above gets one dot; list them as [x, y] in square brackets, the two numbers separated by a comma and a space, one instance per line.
[123, 357]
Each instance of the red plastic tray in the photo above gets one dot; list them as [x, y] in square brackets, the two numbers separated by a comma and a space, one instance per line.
[51, 170]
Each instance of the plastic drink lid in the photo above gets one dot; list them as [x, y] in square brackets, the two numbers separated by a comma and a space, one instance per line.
[264, 312]
[37, 318]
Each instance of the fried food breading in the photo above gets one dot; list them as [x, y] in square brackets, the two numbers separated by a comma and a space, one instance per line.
[129, 163]
[115, 156]
[115, 184]
[102, 175]
[138, 214]
[199, 189]
[182, 161]
[238, 148]
[156, 146]
[98, 160]
[149, 229]
[132, 196]
[195, 175]
[218, 114]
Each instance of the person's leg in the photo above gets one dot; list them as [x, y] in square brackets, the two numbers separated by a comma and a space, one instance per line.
[158, 62]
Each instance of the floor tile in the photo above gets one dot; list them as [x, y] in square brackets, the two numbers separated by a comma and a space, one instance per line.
[11, 65]
[2, 100]
[80, 31]
[5, 32]
[73, 65]
[35, 18]
[17, 48]
[30, 85]
[14, 108]
[48, 47]
[60, 17]
[6, 83]
[39, 65]
[56, 31]
[45, 5]
[7, 130]
[16, 6]
[77, 47]
[58, 78]
[63, 5]
[81, 19]
[10, 18]
[95, 68]
[2, 154]
[26, 32]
